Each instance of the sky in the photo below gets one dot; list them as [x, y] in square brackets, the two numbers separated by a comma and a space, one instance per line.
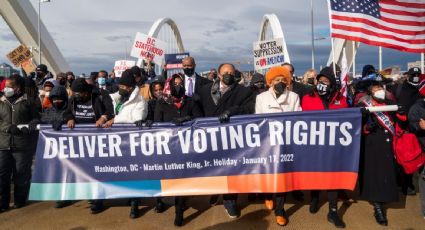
[92, 34]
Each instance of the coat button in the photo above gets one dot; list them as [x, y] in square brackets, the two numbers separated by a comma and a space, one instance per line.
[386, 131]
[388, 139]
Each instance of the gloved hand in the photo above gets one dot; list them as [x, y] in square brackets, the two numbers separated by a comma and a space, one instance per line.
[224, 117]
[14, 130]
[148, 123]
[32, 126]
[57, 125]
[180, 120]
[139, 123]
[365, 111]
[401, 109]
[25, 130]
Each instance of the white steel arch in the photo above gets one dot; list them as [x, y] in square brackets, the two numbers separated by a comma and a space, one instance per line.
[276, 29]
[339, 46]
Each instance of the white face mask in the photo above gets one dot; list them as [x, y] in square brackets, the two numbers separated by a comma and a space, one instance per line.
[8, 92]
[380, 94]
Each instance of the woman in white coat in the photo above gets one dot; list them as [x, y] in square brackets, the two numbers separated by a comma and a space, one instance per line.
[278, 99]
[129, 107]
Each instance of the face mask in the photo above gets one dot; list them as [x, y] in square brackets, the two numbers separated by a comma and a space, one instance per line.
[310, 81]
[46, 94]
[259, 85]
[228, 79]
[322, 89]
[58, 104]
[380, 94]
[124, 93]
[101, 81]
[8, 92]
[414, 80]
[177, 91]
[189, 71]
[62, 82]
[279, 88]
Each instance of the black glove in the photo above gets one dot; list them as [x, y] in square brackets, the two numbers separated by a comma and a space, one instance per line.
[25, 130]
[224, 117]
[139, 123]
[57, 125]
[148, 123]
[32, 126]
[14, 130]
[365, 112]
[180, 120]
[401, 109]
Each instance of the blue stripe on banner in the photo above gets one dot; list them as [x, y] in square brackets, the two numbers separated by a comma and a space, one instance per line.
[104, 190]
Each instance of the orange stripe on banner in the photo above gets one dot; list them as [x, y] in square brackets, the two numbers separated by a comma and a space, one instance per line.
[196, 185]
[286, 182]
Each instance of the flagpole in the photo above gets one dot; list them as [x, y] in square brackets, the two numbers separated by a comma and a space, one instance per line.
[380, 58]
[422, 63]
[333, 56]
[354, 58]
[312, 36]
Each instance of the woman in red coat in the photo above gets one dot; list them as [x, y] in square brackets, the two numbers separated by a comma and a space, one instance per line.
[325, 96]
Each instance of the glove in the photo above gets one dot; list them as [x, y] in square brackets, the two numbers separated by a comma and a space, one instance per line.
[180, 120]
[401, 109]
[224, 117]
[148, 123]
[57, 125]
[365, 111]
[139, 123]
[25, 130]
[32, 126]
[14, 130]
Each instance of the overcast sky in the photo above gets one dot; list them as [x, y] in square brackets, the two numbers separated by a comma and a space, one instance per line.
[92, 34]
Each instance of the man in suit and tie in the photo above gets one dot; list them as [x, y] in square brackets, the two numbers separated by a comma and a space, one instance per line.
[192, 81]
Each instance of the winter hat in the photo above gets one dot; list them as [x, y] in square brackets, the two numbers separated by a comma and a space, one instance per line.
[80, 85]
[368, 69]
[256, 78]
[127, 79]
[277, 71]
[327, 72]
[41, 68]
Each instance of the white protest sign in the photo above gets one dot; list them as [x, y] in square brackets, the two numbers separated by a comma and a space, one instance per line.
[121, 66]
[150, 48]
[268, 53]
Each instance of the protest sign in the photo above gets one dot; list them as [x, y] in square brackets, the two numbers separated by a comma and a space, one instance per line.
[28, 66]
[174, 61]
[265, 153]
[268, 53]
[19, 55]
[121, 66]
[150, 48]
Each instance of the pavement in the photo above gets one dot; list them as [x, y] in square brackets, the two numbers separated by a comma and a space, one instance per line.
[357, 214]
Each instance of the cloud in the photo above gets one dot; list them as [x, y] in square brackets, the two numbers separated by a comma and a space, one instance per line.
[115, 38]
[224, 26]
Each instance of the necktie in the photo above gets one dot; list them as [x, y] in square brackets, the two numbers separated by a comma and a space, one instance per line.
[190, 90]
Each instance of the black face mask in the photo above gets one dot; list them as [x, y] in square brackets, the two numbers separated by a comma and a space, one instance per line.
[279, 88]
[189, 71]
[124, 93]
[228, 79]
[177, 91]
[414, 79]
[310, 81]
[58, 105]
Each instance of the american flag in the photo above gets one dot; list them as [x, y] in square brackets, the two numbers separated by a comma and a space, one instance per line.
[344, 74]
[396, 24]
